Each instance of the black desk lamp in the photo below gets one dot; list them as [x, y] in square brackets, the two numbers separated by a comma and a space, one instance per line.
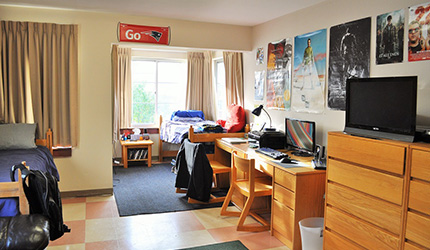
[257, 112]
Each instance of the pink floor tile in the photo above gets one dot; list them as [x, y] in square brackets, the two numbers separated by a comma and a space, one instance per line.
[102, 245]
[101, 209]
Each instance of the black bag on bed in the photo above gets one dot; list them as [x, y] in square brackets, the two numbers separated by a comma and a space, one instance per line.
[44, 198]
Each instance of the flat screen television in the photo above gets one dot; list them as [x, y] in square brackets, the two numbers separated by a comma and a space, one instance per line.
[300, 136]
[383, 107]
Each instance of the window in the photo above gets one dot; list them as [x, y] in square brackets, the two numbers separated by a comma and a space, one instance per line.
[221, 99]
[158, 88]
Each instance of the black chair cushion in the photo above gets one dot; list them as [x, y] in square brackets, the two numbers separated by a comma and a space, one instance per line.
[24, 232]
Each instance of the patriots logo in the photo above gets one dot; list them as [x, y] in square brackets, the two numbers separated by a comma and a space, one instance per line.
[156, 35]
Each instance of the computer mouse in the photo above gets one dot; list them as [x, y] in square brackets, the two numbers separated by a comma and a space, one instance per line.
[285, 160]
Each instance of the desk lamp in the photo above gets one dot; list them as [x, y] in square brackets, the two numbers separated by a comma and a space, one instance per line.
[257, 112]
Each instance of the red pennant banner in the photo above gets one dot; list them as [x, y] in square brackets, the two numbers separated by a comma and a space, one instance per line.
[143, 34]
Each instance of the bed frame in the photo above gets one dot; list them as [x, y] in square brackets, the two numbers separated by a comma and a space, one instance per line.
[15, 189]
[196, 137]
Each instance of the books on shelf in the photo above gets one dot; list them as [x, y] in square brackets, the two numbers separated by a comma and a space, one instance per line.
[137, 154]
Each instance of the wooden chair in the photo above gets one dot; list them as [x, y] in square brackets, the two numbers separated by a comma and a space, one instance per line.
[249, 186]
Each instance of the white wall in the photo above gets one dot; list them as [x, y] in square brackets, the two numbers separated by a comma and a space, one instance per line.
[325, 15]
[90, 166]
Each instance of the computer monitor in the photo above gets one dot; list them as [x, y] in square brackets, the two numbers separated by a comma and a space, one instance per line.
[300, 135]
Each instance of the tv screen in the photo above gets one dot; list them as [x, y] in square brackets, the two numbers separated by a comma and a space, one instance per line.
[301, 136]
[382, 107]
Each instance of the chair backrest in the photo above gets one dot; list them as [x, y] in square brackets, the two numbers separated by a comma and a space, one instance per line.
[246, 167]
[191, 152]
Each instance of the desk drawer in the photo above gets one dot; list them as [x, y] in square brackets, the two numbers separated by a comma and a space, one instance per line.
[376, 211]
[284, 196]
[264, 167]
[384, 186]
[334, 241]
[418, 229]
[420, 164]
[384, 156]
[419, 196]
[409, 246]
[285, 179]
[359, 231]
[283, 221]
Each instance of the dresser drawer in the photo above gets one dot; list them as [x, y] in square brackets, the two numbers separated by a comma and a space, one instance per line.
[373, 153]
[384, 186]
[334, 241]
[283, 221]
[285, 179]
[284, 196]
[418, 229]
[376, 211]
[409, 246]
[420, 164]
[360, 232]
[419, 196]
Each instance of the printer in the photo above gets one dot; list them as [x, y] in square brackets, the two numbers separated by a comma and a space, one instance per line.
[268, 139]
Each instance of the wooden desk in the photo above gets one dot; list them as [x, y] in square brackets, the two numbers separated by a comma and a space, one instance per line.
[140, 144]
[297, 192]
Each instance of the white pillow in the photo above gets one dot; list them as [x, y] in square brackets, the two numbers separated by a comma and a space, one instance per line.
[17, 136]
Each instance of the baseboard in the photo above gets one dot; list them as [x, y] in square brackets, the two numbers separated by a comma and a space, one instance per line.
[87, 193]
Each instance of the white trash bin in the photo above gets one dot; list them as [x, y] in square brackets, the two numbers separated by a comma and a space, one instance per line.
[311, 231]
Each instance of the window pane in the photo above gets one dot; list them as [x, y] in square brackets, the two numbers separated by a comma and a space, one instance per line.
[158, 87]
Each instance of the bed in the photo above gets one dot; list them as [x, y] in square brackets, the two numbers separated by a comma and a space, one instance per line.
[37, 157]
[173, 131]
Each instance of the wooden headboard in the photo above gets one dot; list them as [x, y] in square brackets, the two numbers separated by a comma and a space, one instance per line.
[47, 142]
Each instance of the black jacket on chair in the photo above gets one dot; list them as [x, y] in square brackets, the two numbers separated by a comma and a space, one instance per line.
[194, 171]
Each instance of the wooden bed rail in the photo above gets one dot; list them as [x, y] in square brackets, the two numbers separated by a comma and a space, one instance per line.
[47, 142]
[15, 189]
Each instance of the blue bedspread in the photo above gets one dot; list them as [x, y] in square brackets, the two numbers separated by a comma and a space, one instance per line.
[37, 159]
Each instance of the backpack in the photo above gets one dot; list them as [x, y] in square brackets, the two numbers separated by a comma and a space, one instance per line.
[43, 198]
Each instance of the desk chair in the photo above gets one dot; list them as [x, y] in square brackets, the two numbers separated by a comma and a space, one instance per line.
[250, 187]
[193, 163]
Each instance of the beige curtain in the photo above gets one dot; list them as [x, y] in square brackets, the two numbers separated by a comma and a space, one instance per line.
[200, 91]
[234, 77]
[39, 77]
[121, 69]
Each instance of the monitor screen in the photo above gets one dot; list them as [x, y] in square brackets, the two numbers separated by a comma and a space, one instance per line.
[382, 107]
[301, 136]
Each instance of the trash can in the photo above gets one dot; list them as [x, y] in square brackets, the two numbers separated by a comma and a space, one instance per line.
[311, 231]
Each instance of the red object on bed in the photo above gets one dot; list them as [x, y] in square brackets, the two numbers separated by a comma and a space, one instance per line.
[236, 119]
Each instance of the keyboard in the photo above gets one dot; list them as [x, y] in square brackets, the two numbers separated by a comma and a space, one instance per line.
[273, 153]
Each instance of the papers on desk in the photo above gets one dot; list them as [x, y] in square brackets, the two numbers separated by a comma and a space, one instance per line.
[234, 140]
[293, 164]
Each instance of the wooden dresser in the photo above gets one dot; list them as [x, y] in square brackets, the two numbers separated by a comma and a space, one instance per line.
[418, 214]
[369, 186]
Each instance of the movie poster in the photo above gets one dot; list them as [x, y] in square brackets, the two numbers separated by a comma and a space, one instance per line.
[309, 72]
[389, 37]
[278, 83]
[349, 58]
[259, 85]
[419, 32]
[260, 56]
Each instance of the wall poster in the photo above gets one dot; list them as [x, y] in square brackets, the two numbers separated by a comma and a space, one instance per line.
[309, 72]
[349, 57]
[278, 84]
[259, 85]
[260, 56]
[419, 32]
[389, 37]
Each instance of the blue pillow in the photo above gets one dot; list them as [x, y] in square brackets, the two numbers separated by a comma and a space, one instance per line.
[188, 113]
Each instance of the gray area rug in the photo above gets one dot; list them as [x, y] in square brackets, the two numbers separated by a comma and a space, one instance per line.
[231, 245]
[144, 190]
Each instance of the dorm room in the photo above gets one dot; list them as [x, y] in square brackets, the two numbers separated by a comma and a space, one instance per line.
[89, 170]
